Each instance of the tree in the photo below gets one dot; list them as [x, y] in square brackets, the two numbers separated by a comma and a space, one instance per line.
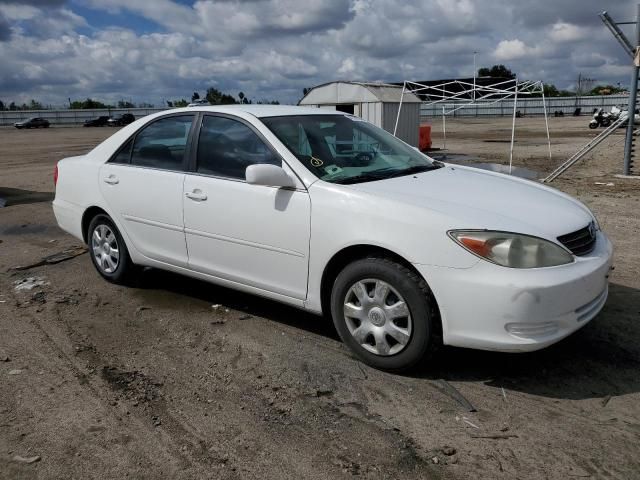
[195, 96]
[605, 90]
[496, 71]
[307, 90]
[12, 106]
[125, 104]
[33, 105]
[88, 104]
[2, 105]
[216, 97]
[177, 103]
[241, 97]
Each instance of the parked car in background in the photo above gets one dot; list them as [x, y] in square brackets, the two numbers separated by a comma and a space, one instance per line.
[203, 102]
[121, 120]
[33, 122]
[97, 122]
[326, 212]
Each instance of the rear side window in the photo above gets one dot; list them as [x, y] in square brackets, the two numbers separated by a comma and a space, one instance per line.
[163, 143]
[227, 147]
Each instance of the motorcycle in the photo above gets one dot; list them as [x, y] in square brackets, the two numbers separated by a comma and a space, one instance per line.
[602, 118]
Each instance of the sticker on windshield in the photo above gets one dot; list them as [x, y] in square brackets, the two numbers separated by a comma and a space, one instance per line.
[316, 162]
[332, 169]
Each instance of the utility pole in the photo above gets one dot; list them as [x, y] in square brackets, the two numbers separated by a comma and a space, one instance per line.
[633, 94]
[633, 50]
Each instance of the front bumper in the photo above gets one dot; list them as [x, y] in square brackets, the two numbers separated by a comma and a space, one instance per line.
[490, 307]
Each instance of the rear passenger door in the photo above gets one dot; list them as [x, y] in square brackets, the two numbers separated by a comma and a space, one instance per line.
[248, 234]
[142, 185]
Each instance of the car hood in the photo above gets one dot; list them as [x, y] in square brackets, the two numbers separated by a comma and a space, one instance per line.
[478, 199]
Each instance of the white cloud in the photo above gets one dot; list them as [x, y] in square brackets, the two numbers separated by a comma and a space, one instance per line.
[274, 48]
[348, 67]
[514, 50]
[566, 32]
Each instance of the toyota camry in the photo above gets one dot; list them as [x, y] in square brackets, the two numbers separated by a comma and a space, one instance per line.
[326, 212]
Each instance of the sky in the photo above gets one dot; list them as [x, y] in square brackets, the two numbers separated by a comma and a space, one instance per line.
[155, 50]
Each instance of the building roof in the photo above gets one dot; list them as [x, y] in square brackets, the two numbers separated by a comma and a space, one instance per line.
[334, 93]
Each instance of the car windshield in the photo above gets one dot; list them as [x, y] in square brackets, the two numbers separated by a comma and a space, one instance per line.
[347, 149]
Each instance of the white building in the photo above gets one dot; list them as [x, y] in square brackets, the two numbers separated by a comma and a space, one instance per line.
[378, 103]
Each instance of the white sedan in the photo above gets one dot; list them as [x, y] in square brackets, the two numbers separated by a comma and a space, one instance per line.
[328, 213]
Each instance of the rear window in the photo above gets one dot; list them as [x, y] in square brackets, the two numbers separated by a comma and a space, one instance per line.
[163, 143]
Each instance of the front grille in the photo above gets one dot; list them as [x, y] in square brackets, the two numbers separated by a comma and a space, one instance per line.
[580, 242]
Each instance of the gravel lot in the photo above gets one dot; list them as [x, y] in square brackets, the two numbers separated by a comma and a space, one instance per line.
[176, 378]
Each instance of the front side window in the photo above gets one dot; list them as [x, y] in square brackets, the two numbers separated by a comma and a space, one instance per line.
[227, 147]
[346, 149]
[163, 143]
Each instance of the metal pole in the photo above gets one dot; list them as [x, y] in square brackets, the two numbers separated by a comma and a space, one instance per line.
[395, 129]
[546, 120]
[474, 77]
[444, 133]
[633, 93]
[513, 128]
[617, 33]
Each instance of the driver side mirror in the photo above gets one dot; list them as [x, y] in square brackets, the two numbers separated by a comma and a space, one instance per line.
[268, 175]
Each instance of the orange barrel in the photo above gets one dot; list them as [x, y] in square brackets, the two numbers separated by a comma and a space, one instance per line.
[424, 142]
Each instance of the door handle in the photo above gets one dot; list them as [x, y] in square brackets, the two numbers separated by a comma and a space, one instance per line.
[196, 195]
[111, 180]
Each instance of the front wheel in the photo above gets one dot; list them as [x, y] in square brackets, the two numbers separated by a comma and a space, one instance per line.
[385, 313]
[108, 251]
[593, 125]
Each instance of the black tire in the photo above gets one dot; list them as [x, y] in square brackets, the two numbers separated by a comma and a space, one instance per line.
[125, 269]
[416, 294]
[606, 122]
[593, 125]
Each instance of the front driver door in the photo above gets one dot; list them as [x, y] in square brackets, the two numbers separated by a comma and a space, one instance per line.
[249, 234]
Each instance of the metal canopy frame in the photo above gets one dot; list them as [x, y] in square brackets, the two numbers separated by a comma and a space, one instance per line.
[475, 94]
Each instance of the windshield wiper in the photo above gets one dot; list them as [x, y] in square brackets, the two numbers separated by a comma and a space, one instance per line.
[364, 177]
[389, 173]
[416, 169]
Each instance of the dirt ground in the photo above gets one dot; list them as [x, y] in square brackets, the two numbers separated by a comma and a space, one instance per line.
[176, 378]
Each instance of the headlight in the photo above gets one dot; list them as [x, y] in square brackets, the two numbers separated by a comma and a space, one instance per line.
[512, 249]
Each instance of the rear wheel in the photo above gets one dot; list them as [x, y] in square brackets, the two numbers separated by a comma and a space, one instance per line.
[384, 312]
[108, 251]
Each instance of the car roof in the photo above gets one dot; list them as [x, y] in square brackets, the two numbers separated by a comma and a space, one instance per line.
[262, 110]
